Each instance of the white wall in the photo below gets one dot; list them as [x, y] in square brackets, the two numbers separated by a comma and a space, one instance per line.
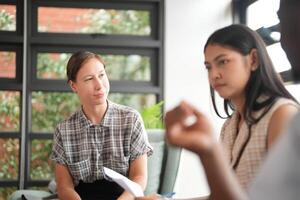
[188, 25]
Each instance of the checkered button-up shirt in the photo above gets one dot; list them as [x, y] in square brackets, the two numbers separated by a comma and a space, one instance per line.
[86, 148]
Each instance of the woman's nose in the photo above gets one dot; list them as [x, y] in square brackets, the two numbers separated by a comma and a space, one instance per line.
[98, 84]
[214, 74]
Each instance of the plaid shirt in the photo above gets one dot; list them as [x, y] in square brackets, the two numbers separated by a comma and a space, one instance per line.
[86, 148]
[246, 161]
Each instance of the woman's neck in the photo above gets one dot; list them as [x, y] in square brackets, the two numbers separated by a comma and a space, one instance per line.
[239, 105]
[95, 113]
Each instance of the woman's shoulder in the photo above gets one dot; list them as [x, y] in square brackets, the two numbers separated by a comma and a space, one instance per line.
[283, 104]
[71, 120]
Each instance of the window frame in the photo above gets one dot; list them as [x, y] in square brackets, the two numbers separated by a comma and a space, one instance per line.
[240, 16]
[13, 41]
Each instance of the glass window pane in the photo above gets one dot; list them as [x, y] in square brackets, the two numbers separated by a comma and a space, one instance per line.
[137, 101]
[50, 108]
[118, 67]
[278, 57]
[9, 162]
[40, 188]
[9, 111]
[41, 167]
[7, 17]
[294, 90]
[7, 64]
[52, 65]
[5, 192]
[85, 20]
[131, 67]
[262, 13]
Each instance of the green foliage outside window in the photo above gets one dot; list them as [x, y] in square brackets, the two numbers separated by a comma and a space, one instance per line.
[52, 68]
[9, 162]
[9, 111]
[41, 167]
[95, 21]
[131, 67]
[129, 22]
[48, 109]
[7, 21]
[7, 60]
[118, 67]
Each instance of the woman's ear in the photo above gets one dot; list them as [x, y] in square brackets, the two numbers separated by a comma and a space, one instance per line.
[254, 60]
[72, 85]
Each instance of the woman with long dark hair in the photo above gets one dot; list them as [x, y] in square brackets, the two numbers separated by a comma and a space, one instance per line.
[241, 72]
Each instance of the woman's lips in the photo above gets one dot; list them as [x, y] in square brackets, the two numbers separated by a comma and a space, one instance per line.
[218, 86]
[99, 95]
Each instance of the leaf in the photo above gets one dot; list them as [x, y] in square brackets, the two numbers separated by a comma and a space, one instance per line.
[152, 116]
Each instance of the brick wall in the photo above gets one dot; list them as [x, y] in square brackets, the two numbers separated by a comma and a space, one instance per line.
[63, 19]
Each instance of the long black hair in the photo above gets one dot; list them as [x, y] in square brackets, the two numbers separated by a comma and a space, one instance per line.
[263, 81]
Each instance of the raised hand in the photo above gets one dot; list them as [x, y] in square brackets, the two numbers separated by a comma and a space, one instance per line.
[196, 136]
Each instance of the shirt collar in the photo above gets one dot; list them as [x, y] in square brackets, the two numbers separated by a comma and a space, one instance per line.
[106, 121]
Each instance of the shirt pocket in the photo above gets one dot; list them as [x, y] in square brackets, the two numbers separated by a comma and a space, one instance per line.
[80, 170]
[117, 162]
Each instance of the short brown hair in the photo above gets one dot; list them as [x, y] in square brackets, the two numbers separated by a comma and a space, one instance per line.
[77, 60]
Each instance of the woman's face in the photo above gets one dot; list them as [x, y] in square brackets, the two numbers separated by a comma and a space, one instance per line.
[228, 70]
[91, 85]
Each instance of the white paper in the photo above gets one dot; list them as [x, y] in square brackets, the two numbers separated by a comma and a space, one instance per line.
[124, 182]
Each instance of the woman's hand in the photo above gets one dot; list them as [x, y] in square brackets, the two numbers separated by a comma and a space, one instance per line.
[196, 136]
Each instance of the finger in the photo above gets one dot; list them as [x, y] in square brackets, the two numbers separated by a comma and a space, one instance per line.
[203, 121]
[199, 115]
[178, 114]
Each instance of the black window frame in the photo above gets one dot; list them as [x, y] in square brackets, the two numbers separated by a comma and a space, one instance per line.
[240, 16]
[13, 41]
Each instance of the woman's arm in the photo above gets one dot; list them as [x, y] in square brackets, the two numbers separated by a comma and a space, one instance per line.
[138, 174]
[278, 122]
[65, 186]
[222, 182]
[198, 137]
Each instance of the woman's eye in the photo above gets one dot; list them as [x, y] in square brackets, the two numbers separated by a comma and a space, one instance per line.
[223, 61]
[207, 67]
[88, 79]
